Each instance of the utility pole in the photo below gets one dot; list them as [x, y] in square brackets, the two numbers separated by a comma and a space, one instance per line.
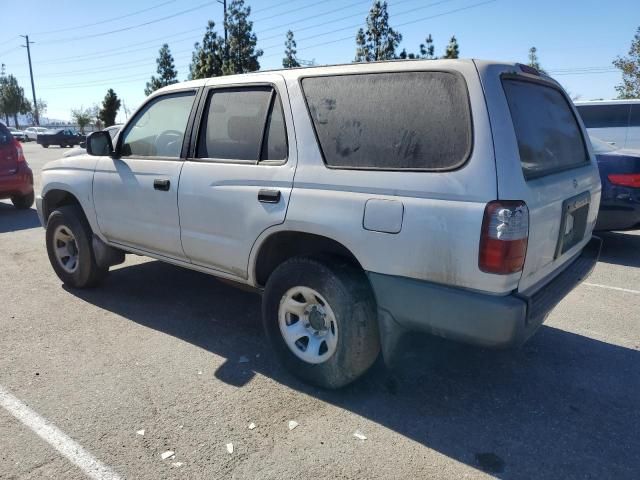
[36, 116]
[226, 40]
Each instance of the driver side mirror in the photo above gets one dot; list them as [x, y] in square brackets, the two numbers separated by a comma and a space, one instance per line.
[99, 144]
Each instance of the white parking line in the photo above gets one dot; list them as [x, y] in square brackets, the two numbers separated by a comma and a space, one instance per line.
[627, 290]
[56, 438]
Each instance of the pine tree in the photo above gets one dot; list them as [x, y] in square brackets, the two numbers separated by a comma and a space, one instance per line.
[630, 67]
[110, 107]
[290, 60]
[242, 52]
[533, 60]
[361, 47]
[427, 50]
[380, 41]
[453, 51]
[206, 60]
[166, 71]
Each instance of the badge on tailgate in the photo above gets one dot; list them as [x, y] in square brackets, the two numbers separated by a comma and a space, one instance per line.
[573, 226]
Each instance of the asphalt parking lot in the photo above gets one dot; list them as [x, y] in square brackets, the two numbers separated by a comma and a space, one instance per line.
[182, 356]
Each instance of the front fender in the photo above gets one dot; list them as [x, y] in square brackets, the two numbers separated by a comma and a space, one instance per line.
[75, 176]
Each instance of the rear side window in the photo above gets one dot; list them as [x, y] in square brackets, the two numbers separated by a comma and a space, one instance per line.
[549, 138]
[391, 121]
[604, 116]
[243, 124]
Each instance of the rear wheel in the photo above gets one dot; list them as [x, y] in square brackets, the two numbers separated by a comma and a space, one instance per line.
[23, 202]
[44, 145]
[70, 249]
[321, 318]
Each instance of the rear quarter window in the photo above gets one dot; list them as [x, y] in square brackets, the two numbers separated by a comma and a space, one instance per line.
[391, 121]
[548, 134]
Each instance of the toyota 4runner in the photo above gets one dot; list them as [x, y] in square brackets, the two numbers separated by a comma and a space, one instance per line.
[455, 197]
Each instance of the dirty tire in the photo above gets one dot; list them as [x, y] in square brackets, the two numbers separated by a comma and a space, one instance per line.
[347, 291]
[23, 202]
[44, 145]
[88, 273]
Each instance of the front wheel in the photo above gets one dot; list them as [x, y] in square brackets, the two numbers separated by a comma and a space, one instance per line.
[70, 249]
[44, 145]
[321, 319]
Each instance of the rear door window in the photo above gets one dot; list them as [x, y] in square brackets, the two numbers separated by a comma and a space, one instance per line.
[391, 121]
[244, 124]
[549, 137]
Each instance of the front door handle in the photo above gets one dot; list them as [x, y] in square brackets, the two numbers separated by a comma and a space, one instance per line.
[269, 196]
[161, 184]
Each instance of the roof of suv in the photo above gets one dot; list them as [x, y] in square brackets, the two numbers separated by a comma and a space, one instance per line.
[295, 73]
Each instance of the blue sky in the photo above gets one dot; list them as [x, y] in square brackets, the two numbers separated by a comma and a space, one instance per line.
[76, 59]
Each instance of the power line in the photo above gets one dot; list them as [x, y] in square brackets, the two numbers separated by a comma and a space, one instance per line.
[116, 51]
[113, 19]
[288, 12]
[422, 19]
[405, 12]
[274, 6]
[163, 39]
[10, 50]
[131, 27]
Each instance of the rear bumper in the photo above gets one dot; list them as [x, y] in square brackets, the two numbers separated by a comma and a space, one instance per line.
[406, 305]
[621, 212]
[18, 184]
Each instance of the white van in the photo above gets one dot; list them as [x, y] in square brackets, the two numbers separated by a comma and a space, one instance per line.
[616, 121]
[455, 197]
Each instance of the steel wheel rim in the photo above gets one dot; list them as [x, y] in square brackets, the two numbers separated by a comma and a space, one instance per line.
[308, 325]
[65, 248]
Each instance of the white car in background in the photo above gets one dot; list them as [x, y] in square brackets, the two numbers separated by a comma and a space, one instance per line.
[113, 131]
[616, 122]
[32, 133]
[17, 134]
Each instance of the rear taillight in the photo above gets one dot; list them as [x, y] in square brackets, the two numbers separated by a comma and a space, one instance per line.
[503, 241]
[625, 179]
[19, 152]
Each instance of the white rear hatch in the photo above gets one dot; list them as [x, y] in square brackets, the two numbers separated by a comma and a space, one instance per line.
[542, 158]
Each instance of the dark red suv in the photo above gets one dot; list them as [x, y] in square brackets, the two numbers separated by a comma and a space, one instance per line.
[16, 178]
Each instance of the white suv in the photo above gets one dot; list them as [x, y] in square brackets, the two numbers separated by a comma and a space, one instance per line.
[455, 197]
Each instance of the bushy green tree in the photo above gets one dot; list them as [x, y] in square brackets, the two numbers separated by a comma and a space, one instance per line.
[110, 106]
[290, 60]
[82, 117]
[379, 41]
[167, 73]
[453, 50]
[630, 68]
[241, 54]
[12, 99]
[207, 58]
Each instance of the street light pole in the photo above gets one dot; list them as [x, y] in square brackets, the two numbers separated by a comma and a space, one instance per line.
[36, 116]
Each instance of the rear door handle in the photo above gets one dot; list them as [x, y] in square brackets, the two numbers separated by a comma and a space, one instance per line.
[161, 184]
[269, 196]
